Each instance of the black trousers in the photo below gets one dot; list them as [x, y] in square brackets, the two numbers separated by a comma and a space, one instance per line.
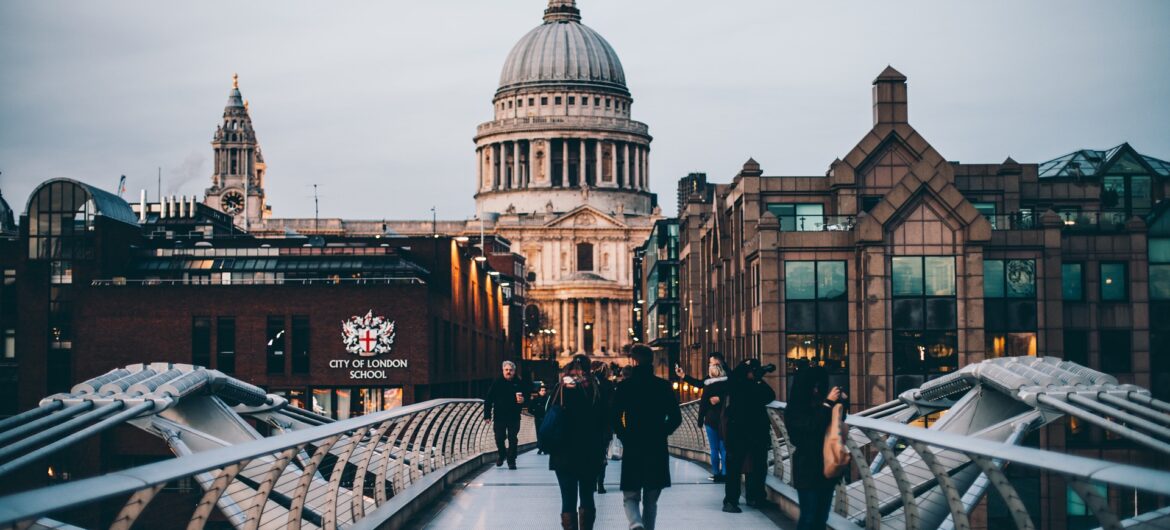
[506, 430]
[756, 462]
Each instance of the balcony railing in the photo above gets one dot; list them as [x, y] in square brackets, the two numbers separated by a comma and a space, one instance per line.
[816, 223]
[1094, 221]
[362, 471]
[1014, 221]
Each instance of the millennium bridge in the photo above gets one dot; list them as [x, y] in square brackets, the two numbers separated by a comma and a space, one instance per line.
[428, 465]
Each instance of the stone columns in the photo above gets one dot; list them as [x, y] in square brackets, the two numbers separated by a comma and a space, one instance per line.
[613, 163]
[479, 167]
[597, 321]
[497, 167]
[625, 181]
[516, 178]
[637, 167]
[580, 325]
[611, 325]
[646, 169]
[564, 325]
[547, 173]
[597, 164]
[564, 163]
[581, 164]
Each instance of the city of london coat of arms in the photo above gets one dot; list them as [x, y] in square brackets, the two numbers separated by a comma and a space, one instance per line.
[367, 336]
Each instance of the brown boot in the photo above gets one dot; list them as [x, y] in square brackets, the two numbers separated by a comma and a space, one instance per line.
[588, 516]
[568, 521]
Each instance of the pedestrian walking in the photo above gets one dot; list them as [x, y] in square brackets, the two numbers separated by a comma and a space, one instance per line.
[747, 432]
[807, 416]
[507, 396]
[583, 416]
[537, 407]
[602, 374]
[645, 412]
[711, 410]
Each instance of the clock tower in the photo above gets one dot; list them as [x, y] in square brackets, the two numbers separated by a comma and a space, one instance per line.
[237, 182]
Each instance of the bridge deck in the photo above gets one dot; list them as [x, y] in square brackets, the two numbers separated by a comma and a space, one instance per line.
[528, 498]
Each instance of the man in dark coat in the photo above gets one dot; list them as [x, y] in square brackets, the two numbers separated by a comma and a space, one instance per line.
[538, 407]
[508, 395]
[747, 433]
[645, 412]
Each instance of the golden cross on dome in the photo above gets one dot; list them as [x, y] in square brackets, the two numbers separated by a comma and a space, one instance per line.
[235, 80]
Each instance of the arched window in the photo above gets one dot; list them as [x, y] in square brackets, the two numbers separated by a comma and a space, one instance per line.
[584, 256]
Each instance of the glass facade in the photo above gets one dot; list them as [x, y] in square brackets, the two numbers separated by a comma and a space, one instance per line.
[925, 319]
[816, 318]
[1009, 307]
[799, 217]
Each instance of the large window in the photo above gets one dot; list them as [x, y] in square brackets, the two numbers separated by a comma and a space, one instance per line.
[925, 319]
[1009, 307]
[1159, 251]
[1072, 282]
[275, 347]
[201, 341]
[1116, 357]
[799, 217]
[345, 403]
[987, 209]
[816, 317]
[300, 344]
[584, 256]
[225, 344]
[1113, 282]
[1076, 346]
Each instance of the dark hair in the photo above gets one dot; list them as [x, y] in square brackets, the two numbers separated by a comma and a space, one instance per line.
[642, 355]
[579, 362]
[716, 355]
[810, 386]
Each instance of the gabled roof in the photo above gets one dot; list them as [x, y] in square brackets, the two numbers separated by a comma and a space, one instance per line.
[585, 216]
[1092, 163]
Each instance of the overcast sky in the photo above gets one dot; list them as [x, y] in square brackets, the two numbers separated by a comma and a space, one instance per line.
[378, 101]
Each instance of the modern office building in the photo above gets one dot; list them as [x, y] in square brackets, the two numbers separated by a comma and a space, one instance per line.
[656, 308]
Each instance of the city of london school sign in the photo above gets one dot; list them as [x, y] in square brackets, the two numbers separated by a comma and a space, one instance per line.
[367, 337]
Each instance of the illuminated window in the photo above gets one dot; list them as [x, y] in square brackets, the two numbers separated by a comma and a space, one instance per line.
[925, 318]
[1113, 283]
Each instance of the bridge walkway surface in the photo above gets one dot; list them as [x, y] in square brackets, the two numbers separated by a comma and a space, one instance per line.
[528, 498]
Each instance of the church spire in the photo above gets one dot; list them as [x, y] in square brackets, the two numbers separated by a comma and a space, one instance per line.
[561, 11]
[235, 100]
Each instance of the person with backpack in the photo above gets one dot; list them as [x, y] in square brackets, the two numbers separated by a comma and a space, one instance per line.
[808, 416]
[645, 412]
[575, 433]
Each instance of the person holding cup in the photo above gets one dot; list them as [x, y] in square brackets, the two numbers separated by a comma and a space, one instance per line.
[507, 396]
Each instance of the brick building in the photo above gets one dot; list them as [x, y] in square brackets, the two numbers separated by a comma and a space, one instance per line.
[339, 325]
[898, 266]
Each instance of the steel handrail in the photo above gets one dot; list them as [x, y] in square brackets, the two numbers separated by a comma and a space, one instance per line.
[37, 503]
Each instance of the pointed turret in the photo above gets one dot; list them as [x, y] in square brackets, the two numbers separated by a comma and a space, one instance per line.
[237, 181]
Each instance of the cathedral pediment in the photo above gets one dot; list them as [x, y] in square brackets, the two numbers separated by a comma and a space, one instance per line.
[585, 216]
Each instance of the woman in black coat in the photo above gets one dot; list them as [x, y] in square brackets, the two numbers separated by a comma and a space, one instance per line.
[578, 460]
[807, 416]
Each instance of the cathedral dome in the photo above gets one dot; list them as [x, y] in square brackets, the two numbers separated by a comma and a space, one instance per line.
[563, 51]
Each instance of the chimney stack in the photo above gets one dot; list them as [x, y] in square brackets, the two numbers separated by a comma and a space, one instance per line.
[889, 97]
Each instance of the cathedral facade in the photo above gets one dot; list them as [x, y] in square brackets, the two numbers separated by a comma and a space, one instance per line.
[562, 175]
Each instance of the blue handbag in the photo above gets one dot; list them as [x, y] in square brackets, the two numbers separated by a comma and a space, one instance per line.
[553, 431]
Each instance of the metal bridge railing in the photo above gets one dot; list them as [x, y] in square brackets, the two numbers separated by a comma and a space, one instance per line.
[328, 476]
[900, 471]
